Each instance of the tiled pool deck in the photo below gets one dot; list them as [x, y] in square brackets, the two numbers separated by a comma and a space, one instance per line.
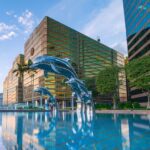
[124, 111]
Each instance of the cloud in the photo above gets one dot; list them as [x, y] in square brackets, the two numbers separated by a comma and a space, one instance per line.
[26, 19]
[9, 13]
[7, 31]
[108, 23]
[120, 46]
[7, 36]
[4, 27]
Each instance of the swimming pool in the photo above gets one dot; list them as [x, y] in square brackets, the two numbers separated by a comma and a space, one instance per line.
[74, 131]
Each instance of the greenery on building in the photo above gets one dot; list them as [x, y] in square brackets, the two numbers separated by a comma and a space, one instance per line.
[138, 73]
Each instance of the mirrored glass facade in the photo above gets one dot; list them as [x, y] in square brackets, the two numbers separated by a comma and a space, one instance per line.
[137, 20]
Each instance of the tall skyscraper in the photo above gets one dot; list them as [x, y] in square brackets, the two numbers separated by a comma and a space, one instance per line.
[137, 20]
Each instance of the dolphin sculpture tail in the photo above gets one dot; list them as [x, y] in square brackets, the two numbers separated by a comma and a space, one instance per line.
[80, 90]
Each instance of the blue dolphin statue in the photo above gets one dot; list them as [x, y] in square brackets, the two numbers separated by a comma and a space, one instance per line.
[45, 91]
[63, 67]
[80, 90]
[55, 65]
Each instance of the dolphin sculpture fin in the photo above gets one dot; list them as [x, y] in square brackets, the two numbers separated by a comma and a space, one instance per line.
[54, 68]
[66, 59]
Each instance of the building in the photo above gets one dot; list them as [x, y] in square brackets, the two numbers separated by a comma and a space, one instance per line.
[137, 20]
[12, 86]
[88, 56]
[1, 99]
[55, 39]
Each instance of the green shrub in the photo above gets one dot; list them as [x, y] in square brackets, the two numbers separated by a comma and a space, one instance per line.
[128, 105]
[136, 105]
[121, 105]
[103, 106]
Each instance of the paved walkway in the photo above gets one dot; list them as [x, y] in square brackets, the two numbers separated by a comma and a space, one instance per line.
[123, 111]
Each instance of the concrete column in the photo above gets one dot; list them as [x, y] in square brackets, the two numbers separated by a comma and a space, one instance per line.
[41, 100]
[46, 102]
[72, 101]
[36, 103]
[32, 98]
[27, 103]
[64, 104]
[79, 106]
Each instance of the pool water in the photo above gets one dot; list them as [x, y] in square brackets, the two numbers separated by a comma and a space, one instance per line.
[74, 131]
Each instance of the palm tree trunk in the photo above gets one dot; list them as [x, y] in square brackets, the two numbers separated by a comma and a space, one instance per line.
[32, 84]
[114, 102]
[148, 102]
[22, 84]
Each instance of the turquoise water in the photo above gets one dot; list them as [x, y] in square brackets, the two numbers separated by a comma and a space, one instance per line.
[74, 131]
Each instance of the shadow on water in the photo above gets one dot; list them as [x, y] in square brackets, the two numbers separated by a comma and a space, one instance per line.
[73, 131]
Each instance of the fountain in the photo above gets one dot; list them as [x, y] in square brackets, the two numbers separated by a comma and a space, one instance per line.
[62, 67]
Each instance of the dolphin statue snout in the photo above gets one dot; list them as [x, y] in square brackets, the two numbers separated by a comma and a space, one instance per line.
[33, 66]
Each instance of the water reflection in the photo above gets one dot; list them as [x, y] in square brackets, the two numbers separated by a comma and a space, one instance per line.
[73, 131]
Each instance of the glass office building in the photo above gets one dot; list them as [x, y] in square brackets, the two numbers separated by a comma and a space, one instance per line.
[137, 20]
[87, 56]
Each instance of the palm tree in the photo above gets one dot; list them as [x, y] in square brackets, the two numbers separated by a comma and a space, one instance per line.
[20, 70]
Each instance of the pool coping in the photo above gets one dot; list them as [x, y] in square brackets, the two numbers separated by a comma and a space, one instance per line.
[29, 110]
[144, 112]
[6, 110]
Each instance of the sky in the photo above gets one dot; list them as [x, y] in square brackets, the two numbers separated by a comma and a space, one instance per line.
[102, 19]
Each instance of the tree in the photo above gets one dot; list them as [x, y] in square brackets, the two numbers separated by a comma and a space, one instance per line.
[20, 70]
[138, 73]
[107, 82]
[91, 84]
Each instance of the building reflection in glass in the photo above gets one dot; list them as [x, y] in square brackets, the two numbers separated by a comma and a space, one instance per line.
[74, 130]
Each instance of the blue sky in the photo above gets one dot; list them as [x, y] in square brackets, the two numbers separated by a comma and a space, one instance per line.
[95, 18]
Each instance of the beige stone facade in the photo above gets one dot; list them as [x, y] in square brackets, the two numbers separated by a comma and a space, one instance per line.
[12, 86]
